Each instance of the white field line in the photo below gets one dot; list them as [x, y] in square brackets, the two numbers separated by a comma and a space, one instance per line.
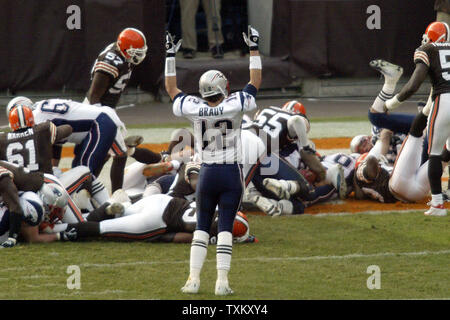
[375, 212]
[258, 259]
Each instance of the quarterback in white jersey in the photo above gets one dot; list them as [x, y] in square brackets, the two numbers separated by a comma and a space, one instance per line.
[217, 119]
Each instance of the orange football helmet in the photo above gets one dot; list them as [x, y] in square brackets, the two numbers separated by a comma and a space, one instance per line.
[241, 228]
[436, 32]
[133, 45]
[294, 106]
[21, 117]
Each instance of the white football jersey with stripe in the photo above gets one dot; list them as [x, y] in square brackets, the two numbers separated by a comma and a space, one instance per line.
[78, 115]
[217, 130]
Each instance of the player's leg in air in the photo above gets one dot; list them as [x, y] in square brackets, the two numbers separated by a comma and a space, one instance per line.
[396, 122]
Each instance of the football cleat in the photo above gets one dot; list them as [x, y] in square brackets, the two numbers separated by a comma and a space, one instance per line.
[223, 289]
[268, 206]
[120, 196]
[191, 286]
[277, 187]
[437, 211]
[114, 209]
[338, 180]
[390, 71]
[133, 141]
[157, 169]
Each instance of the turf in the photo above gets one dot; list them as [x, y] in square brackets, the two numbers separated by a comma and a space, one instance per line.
[297, 257]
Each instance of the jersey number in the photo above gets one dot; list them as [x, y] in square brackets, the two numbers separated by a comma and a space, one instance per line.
[272, 122]
[217, 135]
[60, 108]
[13, 155]
[445, 64]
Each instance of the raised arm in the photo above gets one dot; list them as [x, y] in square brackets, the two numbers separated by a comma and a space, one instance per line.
[252, 39]
[170, 68]
[419, 75]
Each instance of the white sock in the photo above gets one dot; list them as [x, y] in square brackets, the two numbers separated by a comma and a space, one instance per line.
[223, 253]
[99, 192]
[199, 249]
[436, 199]
[287, 208]
[386, 93]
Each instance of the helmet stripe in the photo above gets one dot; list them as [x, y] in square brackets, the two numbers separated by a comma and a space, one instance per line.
[21, 115]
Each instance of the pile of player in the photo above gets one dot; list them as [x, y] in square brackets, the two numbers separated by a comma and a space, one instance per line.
[154, 198]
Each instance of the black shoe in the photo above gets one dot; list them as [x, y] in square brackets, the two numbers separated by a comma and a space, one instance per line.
[217, 52]
[188, 53]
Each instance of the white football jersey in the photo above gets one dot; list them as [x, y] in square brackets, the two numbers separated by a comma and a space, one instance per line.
[217, 130]
[78, 115]
[346, 161]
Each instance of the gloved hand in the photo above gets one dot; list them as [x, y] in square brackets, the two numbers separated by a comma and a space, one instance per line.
[171, 47]
[68, 235]
[9, 243]
[252, 38]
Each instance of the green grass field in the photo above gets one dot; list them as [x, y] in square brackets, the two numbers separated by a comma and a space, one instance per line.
[297, 257]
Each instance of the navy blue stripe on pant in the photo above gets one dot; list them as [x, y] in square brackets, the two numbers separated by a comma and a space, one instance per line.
[222, 186]
[91, 152]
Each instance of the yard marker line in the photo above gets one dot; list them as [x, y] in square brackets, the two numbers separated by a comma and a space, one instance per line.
[259, 259]
[374, 212]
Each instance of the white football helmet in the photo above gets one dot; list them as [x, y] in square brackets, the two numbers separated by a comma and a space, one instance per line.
[360, 141]
[23, 101]
[213, 82]
[55, 200]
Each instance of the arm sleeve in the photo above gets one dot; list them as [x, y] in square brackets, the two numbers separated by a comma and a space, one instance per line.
[250, 89]
[298, 130]
[421, 56]
[247, 101]
[178, 102]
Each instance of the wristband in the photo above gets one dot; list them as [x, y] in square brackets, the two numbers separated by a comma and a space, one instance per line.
[170, 69]
[255, 62]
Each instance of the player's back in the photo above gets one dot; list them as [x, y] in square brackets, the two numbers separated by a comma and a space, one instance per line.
[113, 64]
[216, 129]
[437, 57]
[79, 116]
[274, 122]
[346, 161]
[30, 147]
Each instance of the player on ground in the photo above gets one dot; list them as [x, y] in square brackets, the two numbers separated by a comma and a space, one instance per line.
[217, 121]
[156, 218]
[431, 59]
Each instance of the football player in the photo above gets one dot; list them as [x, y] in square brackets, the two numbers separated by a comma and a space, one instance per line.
[46, 205]
[217, 118]
[112, 69]
[110, 75]
[29, 144]
[431, 59]
[95, 130]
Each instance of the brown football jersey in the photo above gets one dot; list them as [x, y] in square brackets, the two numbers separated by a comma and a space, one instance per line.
[112, 63]
[22, 178]
[30, 147]
[437, 57]
[378, 189]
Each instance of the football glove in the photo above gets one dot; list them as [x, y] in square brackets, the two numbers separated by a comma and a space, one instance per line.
[252, 38]
[68, 235]
[171, 47]
[9, 243]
